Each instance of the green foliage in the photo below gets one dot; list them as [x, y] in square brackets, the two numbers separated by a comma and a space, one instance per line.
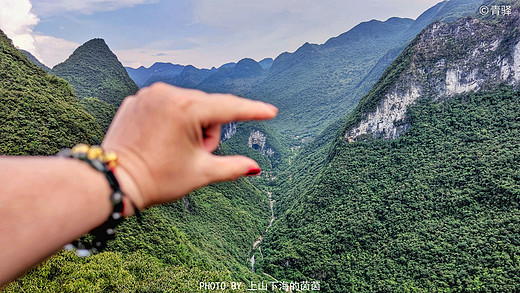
[238, 144]
[35, 61]
[39, 113]
[434, 210]
[205, 237]
[101, 111]
[94, 71]
[113, 272]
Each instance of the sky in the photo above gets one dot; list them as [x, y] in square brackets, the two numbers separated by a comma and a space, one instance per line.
[203, 33]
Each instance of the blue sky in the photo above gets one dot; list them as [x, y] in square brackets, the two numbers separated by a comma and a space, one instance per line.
[204, 33]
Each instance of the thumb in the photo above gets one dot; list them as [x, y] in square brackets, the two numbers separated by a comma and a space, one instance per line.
[225, 168]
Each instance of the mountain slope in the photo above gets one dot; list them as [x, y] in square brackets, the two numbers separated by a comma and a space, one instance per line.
[39, 113]
[35, 61]
[266, 63]
[238, 79]
[142, 74]
[446, 59]
[94, 71]
[310, 85]
[436, 208]
[103, 112]
[206, 236]
[445, 11]
[189, 77]
[318, 84]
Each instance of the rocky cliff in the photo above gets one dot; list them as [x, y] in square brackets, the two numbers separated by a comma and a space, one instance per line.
[258, 141]
[444, 60]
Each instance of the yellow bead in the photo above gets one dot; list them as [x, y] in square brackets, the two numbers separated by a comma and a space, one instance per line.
[80, 148]
[94, 152]
[110, 156]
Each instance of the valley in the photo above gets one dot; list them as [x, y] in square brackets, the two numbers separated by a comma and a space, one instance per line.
[392, 167]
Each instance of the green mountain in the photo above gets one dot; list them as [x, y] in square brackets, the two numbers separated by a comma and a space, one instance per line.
[446, 11]
[103, 112]
[142, 74]
[237, 79]
[418, 190]
[39, 113]
[205, 237]
[35, 60]
[189, 77]
[317, 84]
[94, 71]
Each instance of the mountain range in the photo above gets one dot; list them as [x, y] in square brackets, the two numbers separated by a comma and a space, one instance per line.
[318, 84]
[417, 185]
[407, 178]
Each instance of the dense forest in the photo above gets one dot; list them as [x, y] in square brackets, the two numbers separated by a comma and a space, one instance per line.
[94, 71]
[204, 237]
[39, 113]
[435, 209]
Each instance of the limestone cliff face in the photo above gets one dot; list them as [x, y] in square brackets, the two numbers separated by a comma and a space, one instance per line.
[228, 130]
[444, 60]
[257, 140]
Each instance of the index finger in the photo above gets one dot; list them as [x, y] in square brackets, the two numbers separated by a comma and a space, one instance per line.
[224, 108]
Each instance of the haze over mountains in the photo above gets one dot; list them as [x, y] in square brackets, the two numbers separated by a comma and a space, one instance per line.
[408, 180]
[339, 72]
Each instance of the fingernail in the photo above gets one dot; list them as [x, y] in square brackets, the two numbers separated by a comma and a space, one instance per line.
[253, 172]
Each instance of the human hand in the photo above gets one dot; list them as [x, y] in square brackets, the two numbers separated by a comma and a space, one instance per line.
[164, 137]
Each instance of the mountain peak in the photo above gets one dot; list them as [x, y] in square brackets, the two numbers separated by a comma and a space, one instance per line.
[96, 41]
[266, 63]
[248, 65]
[94, 71]
[374, 29]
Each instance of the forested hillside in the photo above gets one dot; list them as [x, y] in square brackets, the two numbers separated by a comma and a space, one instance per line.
[434, 208]
[414, 188]
[39, 113]
[206, 236]
[94, 71]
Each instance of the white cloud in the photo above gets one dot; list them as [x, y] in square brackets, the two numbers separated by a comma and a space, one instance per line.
[52, 7]
[53, 50]
[17, 21]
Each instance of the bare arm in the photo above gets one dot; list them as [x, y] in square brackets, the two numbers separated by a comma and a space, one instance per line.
[163, 136]
[45, 203]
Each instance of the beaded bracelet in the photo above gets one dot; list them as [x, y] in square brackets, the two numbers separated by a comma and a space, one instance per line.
[104, 162]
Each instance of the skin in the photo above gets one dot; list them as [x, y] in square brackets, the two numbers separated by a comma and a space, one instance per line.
[164, 138]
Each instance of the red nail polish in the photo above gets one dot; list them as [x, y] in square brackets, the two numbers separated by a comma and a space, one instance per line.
[253, 172]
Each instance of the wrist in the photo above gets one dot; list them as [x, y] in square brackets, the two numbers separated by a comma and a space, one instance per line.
[133, 198]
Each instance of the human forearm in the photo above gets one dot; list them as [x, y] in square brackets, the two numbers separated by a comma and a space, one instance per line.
[44, 204]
